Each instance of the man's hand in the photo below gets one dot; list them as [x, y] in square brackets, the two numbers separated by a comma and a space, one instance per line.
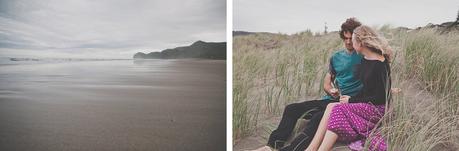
[334, 92]
[328, 86]
[344, 99]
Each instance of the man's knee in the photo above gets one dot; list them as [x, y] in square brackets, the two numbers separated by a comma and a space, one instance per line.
[290, 107]
[298, 109]
[289, 110]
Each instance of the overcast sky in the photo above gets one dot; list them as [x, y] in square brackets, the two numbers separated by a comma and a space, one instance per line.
[291, 16]
[106, 28]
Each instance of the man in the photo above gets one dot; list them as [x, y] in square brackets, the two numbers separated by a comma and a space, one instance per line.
[341, 75]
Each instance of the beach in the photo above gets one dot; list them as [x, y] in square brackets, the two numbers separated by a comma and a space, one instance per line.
[113, 105]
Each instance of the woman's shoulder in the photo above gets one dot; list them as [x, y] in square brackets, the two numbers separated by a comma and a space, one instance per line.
[376, 61]
[375, 65]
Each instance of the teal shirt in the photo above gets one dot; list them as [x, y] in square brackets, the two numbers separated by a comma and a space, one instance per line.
[342, 65]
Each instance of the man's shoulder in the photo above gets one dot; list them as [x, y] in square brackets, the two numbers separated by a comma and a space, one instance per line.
[338, 52]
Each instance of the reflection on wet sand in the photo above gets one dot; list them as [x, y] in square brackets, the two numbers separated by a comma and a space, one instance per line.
[113, 105]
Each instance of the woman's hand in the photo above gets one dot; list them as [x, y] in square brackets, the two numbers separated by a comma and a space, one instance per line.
[395, 90]
[334, 92]
[344, 99]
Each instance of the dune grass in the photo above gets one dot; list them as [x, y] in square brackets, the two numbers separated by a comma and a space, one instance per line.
[272, 70]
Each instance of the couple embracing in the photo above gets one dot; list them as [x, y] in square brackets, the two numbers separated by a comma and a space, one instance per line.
[358, 88]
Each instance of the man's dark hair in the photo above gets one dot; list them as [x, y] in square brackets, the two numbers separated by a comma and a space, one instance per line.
[349, 26]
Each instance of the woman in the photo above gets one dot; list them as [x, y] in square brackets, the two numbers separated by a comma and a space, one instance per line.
[353, 119]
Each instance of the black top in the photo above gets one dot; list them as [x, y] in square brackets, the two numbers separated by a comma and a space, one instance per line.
[375, 77]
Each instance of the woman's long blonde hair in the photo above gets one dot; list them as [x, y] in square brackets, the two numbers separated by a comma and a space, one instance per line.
[376, 43]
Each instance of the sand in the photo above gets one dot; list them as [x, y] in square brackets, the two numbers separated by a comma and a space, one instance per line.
[114, 105]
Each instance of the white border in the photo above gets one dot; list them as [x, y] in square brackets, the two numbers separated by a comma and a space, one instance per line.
[229, 75]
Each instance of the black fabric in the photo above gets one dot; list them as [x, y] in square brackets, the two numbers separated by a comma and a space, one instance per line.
[290, 116]
[302, 141]
[375, 77]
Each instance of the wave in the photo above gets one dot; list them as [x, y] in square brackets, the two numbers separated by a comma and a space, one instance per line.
[13, 61]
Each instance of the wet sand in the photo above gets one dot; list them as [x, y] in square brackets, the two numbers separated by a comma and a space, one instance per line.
[114, 105]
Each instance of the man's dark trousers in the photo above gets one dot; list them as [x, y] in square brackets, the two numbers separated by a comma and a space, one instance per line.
[292, 113]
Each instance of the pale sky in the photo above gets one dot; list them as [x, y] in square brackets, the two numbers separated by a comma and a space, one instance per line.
[106, 28]
[291, 16]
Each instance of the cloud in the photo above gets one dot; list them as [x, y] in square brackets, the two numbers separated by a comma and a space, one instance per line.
[299, 15]
[114, 27]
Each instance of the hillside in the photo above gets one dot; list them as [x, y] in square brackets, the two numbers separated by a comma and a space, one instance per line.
[199, 49]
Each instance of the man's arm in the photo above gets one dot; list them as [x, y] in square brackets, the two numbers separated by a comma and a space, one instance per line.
[328, 86]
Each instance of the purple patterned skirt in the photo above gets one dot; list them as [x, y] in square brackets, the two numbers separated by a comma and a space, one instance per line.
[354, 123]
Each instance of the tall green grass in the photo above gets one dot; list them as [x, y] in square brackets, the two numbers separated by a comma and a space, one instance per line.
[429, 120]
[269, 73]
[272, 70]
